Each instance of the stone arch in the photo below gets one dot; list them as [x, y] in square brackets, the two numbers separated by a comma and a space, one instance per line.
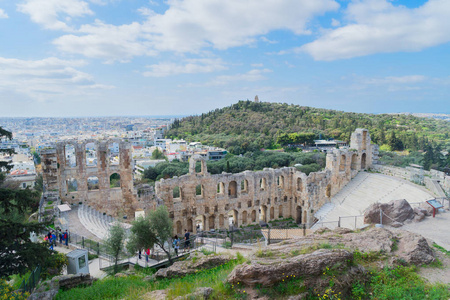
[263, 213]
[232, 189]
[354, 165]
[93, 183]
[244, 217]
[200, 222]
[328, 191]
[70, 154]
[244, 186]
[263, 184]
[280, 181]
[193, 161]
[220, 188]
[176, 192]
[272, 213]
[253, 216]
[233, 218]
[299, 184]
[342, 163]
[363, 161]
[212, 222]
[91, 149]
[114, 180]
[280, 211]
[221, 221]
[298, 218]
[72, 185]
[190, 226]
[179, 228]
[113, 154]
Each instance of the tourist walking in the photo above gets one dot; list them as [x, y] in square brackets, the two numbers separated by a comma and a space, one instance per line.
[176, 244]
[66, 238]
[187, 241]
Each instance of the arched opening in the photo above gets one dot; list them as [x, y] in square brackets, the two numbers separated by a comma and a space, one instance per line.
[91, 154]
[263, 184]
[233, 218]
[254, 216]
[179, 229]
[299, 184]
[221, 221]
[199, 190]
[200, 223]
[280, 211]
[71, 156]
[114, 180]
[272, 213]
[212, 222]
[285, 198]
[92, 183]
[244, 186]
[244, 217]
[176, 192]
[280, 182]
[263, 213]
[298, 218]
[232, 189]
[328, 191]
[113, 153]
[354, 165]
[72, 185]
[363, 161]
[189, 225]
[249, 203]
[342, 163]
[220, 188]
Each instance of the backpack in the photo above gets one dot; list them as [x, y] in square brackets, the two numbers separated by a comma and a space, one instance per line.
[65, 235]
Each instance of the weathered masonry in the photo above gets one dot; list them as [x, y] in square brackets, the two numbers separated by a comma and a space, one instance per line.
[215, 201]
[99, 174]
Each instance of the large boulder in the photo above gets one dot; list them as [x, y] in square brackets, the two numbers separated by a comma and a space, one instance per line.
[413, 249]
[393, 211]
[312, 264]
[183, 268]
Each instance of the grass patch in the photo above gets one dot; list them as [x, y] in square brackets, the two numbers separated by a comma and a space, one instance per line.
[442, 249]
[290, 285]
[132, 287]
[207, 252]
[264, 253]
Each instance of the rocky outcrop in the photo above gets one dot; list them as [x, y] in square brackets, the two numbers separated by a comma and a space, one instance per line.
[202, 293]
[48, 289]
[393, 211]
[413, 249]
[312, 264]
[190, 266]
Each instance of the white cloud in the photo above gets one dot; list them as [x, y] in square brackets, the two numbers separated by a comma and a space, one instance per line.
[41, 79]
[192, 25]
[252, 75]
[201, 65]
[335, 23]
[378, 26]
[106, 41]
[396, 79]
[48, 13]
[3, 14]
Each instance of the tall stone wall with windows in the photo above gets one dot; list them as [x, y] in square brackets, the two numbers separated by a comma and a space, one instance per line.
[253, 196]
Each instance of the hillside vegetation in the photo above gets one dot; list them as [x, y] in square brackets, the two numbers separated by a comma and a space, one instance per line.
[249, 126]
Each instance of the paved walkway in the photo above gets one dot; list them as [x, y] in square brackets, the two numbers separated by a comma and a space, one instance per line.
[364, 190]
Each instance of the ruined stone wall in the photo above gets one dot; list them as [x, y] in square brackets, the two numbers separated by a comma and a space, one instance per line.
[253, 196]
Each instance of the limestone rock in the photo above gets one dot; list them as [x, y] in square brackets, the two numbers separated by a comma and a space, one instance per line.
[155, 295]
[414, 249]
[396, 211]
[311, 264]
[120, 275]
[200, 293]
[48, 295]
[183, 268]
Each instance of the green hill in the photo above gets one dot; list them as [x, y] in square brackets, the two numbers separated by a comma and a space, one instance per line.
[249, 126]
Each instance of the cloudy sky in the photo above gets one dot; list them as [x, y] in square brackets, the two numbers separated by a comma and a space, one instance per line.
[178, 57]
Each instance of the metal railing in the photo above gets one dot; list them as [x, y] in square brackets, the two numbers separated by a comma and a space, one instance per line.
[31, 282]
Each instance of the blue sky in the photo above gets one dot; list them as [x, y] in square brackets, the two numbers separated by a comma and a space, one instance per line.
[179, 57]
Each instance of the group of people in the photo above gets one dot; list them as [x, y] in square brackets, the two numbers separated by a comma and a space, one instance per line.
[52, 236]
[187, 242]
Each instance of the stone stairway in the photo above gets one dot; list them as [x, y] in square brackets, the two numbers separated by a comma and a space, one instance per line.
[94, 221]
